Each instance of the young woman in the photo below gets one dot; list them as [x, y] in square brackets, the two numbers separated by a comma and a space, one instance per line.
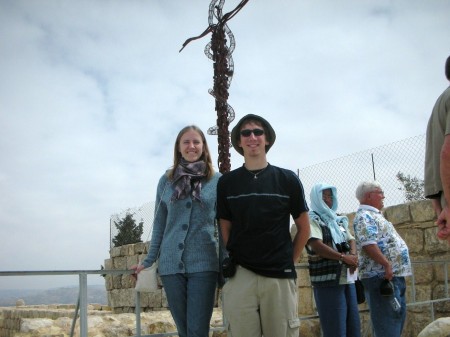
[183, 238]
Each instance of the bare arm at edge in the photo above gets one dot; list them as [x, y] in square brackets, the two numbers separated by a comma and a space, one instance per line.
[302, 235]
[445, 168]
[443, 220]
[225, 229]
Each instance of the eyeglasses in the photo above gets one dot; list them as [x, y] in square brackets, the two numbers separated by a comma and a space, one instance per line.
[248, 132]
[379, 192]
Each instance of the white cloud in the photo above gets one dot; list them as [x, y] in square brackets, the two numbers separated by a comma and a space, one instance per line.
[93, 94]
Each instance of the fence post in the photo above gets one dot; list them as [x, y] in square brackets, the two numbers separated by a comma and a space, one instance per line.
[138, 314]
[83, 305]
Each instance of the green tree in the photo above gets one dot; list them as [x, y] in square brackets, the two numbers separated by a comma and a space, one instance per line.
[129, 232]
[412, 187]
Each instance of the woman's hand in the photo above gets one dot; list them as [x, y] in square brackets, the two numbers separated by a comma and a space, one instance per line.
[137, 269]
[351, 261]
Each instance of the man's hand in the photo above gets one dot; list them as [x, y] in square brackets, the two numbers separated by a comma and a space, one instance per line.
[443, 223]
[388, 274]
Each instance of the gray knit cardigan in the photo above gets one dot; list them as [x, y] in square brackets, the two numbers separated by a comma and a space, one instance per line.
[184, 229]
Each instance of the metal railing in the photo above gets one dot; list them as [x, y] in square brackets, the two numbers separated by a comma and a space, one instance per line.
[82, 304]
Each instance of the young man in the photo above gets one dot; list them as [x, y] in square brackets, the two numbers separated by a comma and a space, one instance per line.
[254, 206]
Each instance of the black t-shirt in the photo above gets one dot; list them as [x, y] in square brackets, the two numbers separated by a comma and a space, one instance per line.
[259, 210]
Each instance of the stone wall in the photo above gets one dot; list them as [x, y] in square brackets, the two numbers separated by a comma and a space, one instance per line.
[57, 320]
[48, 319]
[120, 288]
[414, 222]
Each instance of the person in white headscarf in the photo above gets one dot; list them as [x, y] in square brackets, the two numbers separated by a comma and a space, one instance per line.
[332, 258]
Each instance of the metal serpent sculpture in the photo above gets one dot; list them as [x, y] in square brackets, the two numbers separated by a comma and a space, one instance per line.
[218, 51]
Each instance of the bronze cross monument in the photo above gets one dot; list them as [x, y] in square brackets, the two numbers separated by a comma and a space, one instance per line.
[218, 51]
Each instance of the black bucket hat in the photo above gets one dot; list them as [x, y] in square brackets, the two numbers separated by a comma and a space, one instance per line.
[268, 130]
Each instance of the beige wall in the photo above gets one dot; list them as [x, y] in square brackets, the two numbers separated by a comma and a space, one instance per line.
[414, 222]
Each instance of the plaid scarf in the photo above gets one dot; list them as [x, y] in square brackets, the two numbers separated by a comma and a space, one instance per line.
[187, 179]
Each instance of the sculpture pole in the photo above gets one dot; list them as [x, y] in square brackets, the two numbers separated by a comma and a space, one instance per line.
[218, 51]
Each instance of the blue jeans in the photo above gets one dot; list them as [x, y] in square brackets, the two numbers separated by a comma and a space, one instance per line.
[338, 310]
[191, 300]
[385, 321]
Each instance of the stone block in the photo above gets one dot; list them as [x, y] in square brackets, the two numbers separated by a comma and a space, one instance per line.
[165, 303]
[155, 299]
[128, 281]
[144, 300]
[303, 279]
[415, 322]
[124, 250]
[139, 248]
[109, 282]
[364, 318]
[109, 264]
[422, 211]
[398, 214]
[433, 244]
[120, 262]
[422, 293]
[439, 293]
[29, 325]
[130, 251]
[310, 328]
[306, 305]
[133, 260]
[423, 272]
[128, 297]
[122, 297]
[117, 281]
[413, 238]
[438, 328]
[160, 327]
[115, 252]
[64, 323]
[94, 322]
[439, 268]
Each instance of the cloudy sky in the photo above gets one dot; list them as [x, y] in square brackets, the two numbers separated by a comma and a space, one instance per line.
[93, 93]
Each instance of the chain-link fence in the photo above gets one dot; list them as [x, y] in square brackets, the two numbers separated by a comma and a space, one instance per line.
[143, 214]
[382, 164]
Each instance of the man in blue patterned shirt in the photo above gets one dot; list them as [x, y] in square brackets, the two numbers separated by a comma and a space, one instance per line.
[383, 257]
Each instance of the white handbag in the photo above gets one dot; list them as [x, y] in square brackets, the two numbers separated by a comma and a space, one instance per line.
[147, 279]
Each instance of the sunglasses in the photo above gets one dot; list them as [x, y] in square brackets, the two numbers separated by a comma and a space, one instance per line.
[248, 132]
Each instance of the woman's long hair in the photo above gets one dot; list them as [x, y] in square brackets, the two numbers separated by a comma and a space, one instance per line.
[206, 157]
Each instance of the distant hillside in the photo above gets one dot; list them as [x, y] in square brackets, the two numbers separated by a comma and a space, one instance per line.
[66, 295]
